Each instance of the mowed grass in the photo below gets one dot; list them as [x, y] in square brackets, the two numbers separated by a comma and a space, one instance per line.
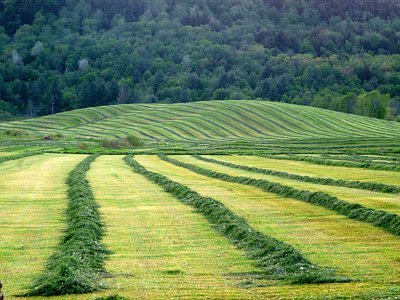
[161, 248]
[355, 249]
[375, 200]
[32, 201]
[5, 151]
[243, 120]
[314, 170]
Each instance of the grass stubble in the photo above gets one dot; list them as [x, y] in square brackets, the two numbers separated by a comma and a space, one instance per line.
[358, 250]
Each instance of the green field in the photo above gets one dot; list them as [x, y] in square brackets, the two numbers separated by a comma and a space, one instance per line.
[376, 200]
[32, 199]
[213, 120]
[181, 227]
[221, 127]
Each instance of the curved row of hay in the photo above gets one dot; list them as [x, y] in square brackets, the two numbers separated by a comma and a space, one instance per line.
[210, 121]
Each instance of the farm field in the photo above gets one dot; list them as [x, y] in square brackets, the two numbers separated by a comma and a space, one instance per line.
[161, 248]
[245, 200]
[209, 121]
[32, 201]
[372, 199]
[315, 170]
[174, 149]
[307, 223]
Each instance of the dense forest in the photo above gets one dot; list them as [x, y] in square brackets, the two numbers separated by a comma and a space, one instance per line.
[61, 55]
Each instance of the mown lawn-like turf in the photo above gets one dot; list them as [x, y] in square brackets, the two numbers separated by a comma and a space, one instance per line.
[358, 250]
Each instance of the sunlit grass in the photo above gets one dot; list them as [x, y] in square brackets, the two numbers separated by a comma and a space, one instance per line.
[356, 249]
[375, 200]
[32, 201]
[209, 120]
[161, 248]
[310, 169]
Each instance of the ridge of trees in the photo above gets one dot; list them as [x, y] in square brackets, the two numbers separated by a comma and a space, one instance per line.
[69, 54]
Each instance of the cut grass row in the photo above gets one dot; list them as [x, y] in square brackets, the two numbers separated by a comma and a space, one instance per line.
[387, 221]
[340, 163]
[32, 199]
[78, 264]
[362, 158]
[370, 199]
[140, 266]
[211, 120]
[272, 256]
[356, 249]
[372, 186]
[315, 170]
[19, 155]
[161, 248]
[390, 164]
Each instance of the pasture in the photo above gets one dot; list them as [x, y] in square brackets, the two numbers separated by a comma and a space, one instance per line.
[224, 200]
[210, 121]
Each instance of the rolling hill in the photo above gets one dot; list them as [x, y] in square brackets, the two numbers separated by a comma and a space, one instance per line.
[210, 121]
[199, 149]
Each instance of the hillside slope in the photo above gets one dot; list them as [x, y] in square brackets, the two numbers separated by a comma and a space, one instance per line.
[211, 120]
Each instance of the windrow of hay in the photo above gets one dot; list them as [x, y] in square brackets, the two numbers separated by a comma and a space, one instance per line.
[381, 159]
[372, 186]
[78, 264]
[387, 221]
[275, 258]
[348, 164]
[232, 121]
[18, 156]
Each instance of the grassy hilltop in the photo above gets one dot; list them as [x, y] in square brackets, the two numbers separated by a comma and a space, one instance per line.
[212, 120]
[208, 126]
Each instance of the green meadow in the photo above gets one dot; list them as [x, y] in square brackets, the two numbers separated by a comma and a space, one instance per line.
[206, 200]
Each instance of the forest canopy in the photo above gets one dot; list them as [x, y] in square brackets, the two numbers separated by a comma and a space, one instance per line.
[62, 55]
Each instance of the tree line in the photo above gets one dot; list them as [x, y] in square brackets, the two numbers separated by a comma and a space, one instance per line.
[63, 55]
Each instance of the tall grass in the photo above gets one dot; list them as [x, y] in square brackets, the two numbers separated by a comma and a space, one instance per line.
[275, 258]
[131, 141]
[78, 264]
